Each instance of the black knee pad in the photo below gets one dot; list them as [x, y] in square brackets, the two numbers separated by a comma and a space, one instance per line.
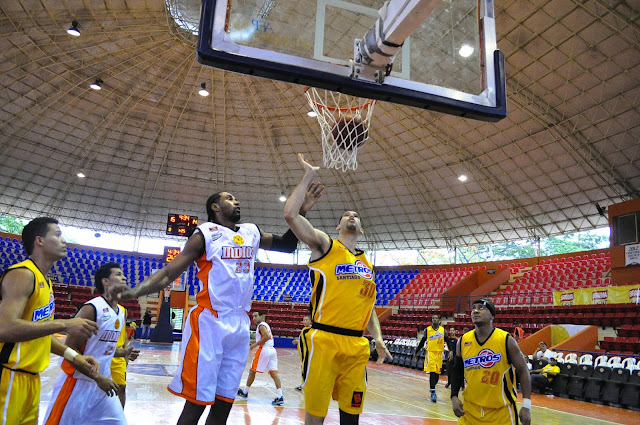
[348, 418]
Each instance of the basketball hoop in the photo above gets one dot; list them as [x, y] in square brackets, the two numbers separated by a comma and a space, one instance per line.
[344, 122]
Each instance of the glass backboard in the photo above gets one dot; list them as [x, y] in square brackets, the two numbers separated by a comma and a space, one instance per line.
[450, 63]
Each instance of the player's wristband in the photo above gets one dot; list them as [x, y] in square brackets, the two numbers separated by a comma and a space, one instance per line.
[526, 403]
[70, 354]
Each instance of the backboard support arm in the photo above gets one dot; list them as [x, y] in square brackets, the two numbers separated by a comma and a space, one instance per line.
[375, 52]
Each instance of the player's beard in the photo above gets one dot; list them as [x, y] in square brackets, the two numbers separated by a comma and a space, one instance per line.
[234, 216]
[351, 226]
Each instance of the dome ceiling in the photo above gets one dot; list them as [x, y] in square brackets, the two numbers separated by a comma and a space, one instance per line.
[150, 145]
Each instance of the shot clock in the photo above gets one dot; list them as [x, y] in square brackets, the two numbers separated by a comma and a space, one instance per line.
[181, 224]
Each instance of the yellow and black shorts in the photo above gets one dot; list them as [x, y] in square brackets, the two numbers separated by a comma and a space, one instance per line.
[475, 414]
[19, 396]
[433, 362]
[333, 365]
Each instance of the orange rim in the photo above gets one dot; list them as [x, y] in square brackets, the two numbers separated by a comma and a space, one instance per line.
[335, 108]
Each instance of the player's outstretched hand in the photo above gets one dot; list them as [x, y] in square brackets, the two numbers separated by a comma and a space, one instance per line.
[81, 328]
[127, 294]
[525, 416]
[132, 353]
[314, 192]
[107, 385]
[86, 364]
[383, 352]
[458, 410]
[308, 168]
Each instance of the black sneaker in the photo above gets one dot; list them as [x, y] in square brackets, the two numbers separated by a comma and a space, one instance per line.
[278, 401]
[242, 393]
[299, 388]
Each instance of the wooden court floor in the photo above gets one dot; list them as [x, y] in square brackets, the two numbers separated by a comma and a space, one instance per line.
[395, 396]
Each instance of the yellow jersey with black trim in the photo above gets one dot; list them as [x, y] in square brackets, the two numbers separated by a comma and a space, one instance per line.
[488, 371]
[435, 339]
[31, 356]
[344, 291]
[121, 361]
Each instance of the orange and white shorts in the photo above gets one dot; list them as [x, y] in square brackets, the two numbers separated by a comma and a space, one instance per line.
[80, 401]
[265, 359]
[214, 353]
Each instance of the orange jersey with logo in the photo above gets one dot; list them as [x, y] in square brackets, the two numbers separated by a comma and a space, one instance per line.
[225, 269]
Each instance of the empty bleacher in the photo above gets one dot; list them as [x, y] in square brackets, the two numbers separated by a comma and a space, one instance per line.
[535, 285]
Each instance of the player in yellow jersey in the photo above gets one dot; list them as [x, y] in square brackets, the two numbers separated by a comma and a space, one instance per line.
[125, 353]
[306, 323]
[486, 357]
[27, 324]
[334, 352]
[434, 338]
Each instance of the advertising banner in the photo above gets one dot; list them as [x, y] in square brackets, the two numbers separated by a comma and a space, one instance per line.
[604, 295]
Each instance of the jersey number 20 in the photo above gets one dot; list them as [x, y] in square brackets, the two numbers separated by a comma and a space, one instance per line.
[490, 377]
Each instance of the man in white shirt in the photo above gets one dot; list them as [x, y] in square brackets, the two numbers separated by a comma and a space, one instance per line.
[543, 353]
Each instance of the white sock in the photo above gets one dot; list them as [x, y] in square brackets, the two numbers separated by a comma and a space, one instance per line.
[246, 390]
[279, 392]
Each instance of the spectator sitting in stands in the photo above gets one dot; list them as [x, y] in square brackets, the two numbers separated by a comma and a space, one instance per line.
[528, 360]
[543, 353]
[541, 378]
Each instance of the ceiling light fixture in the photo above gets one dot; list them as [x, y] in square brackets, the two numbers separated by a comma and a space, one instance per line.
[73, 30]
[312, 114]
[203, 91]
[97, 84]
[283, 197]
[81, 175]
[462, 178]
[466, 51]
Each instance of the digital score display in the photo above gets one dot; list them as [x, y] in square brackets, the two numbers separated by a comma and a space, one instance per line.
[181, 224]
[170, 253]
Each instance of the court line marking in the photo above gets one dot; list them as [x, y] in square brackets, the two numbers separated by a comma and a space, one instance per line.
[519, 404]
[575, 414]
[386, 396]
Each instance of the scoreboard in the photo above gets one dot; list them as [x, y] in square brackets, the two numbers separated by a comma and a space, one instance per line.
[181, 224]
[170, 253]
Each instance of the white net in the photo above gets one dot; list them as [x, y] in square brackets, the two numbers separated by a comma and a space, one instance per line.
[344, 122]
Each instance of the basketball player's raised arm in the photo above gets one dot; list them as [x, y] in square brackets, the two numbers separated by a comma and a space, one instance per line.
[193, 249]
[316, 240]
[289, 242]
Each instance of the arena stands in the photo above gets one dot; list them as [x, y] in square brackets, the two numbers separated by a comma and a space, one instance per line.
[421, 288]
[534, 285]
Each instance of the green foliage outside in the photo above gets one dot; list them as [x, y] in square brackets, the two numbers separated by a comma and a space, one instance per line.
[513, 250]
[12, 225]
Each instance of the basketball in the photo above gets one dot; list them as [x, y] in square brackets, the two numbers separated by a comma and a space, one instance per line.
[349, 132]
